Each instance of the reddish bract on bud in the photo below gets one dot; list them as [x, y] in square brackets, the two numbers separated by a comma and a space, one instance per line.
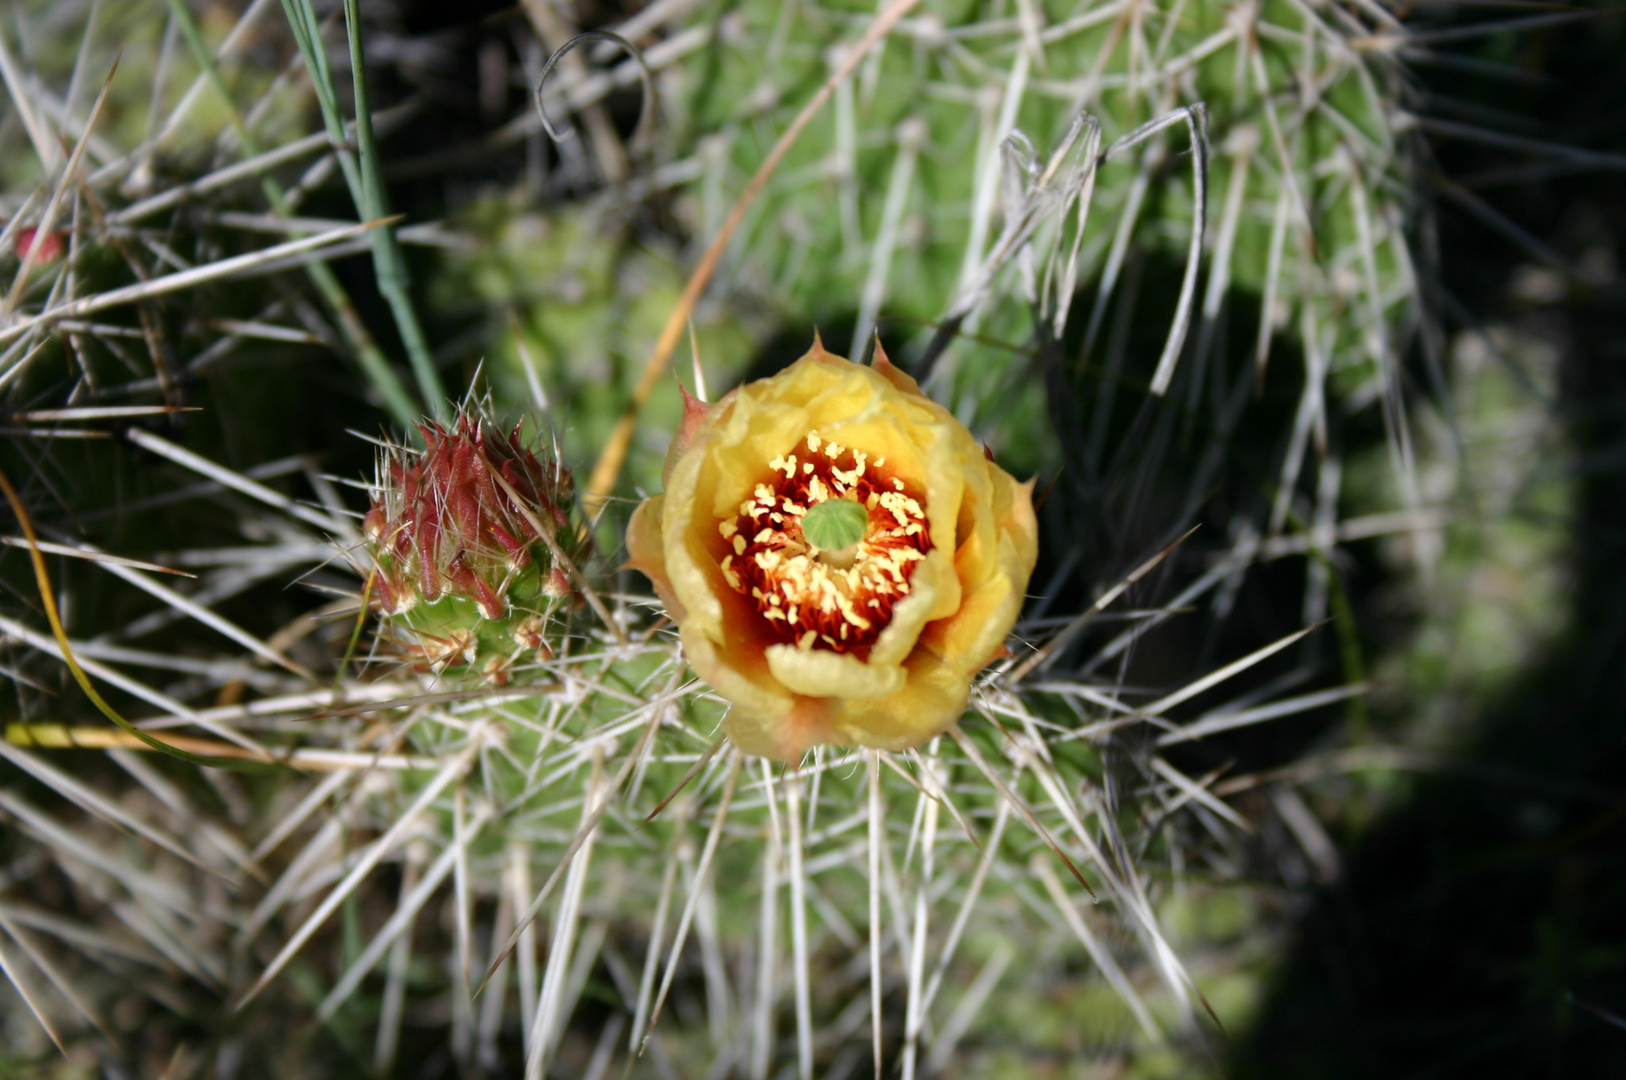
[466, 538]
[556, 585]
[464, 518]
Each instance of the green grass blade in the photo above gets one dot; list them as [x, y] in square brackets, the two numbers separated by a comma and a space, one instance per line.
[373, 362]
[387, 260]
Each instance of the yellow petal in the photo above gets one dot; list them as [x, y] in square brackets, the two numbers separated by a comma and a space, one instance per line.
[647, 554]
[784, 736]
[995, 576]
[692, 565]
[740, 675]
[928, 705]
[820, 673]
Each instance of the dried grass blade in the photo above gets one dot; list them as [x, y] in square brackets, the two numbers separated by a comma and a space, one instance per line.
[42, 579]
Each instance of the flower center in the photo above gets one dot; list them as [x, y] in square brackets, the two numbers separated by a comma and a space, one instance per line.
[826, 547]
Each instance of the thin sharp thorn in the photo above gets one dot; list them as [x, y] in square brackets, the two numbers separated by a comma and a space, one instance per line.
[694, 770]
[406, 910]
[47, 220]
[699, 371]
[452, 771]
[186, 279]
[1021, 808]
[801, 971]
[21, 987]
[91, 555]
[580, 838]
[657, 937]
[940, 795]
[877, 836]
[1054, 646]
[713, 837]
[1214, 678]
[1103, 957]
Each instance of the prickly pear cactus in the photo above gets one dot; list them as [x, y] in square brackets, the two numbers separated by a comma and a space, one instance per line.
[472, 545]
[644, 897]
[893, 199]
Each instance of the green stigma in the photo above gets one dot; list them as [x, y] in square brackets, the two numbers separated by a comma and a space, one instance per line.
[835, 524]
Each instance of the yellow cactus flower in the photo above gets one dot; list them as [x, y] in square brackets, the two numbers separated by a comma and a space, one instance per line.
[873, 638]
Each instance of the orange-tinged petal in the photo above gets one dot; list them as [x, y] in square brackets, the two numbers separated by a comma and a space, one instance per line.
[928, 705]
[740, 675]
[785, 736]
[695, 413]
[820, 673]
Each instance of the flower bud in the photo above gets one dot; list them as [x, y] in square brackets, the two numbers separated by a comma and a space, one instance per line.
[459, 534]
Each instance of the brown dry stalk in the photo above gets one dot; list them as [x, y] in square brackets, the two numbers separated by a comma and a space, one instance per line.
[607, 470]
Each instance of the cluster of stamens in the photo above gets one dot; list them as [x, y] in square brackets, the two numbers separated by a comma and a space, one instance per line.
[816, 598]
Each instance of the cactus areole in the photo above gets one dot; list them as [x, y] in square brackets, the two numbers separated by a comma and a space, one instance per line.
[840, 555]
[460, 564]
